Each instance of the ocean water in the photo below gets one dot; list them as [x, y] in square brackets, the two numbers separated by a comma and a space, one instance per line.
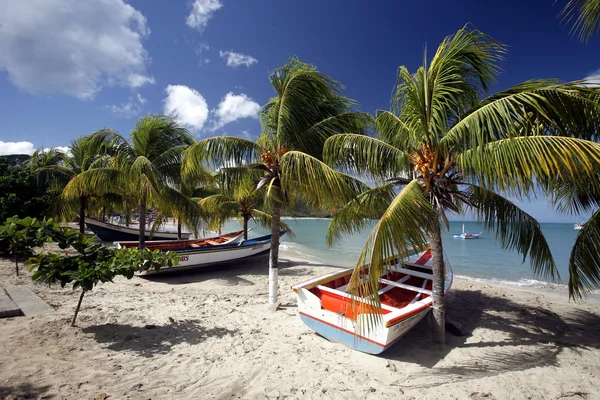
[477, 259]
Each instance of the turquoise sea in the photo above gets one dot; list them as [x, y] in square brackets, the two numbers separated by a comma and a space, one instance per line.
[478, 259]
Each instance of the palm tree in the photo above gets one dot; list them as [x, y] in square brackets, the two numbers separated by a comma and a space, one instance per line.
[60, 169]
[585, 16]
[147, 167]
[237, 198]
[307, 109]
[443, 148]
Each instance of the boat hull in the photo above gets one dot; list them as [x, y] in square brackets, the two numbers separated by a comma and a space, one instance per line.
[375, 343]
[467, 237]
[116, 233]
[208, 257]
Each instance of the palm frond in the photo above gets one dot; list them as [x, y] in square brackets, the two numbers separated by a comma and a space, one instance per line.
[359, 154]
[396, 232]
[263, 220]
[584, 15]
[394, 131]
[584, 263]
[308, 108]
[187, 211]
[515, 229]
[567, 109]
[575, 197]
[219, 152]
[319, 184]
[358, 214]
[94, 182]
[516, 164]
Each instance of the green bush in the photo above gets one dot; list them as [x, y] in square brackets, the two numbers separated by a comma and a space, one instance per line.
[18, 236]
[95, 263]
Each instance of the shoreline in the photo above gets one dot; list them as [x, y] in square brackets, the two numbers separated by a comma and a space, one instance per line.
[540, 287]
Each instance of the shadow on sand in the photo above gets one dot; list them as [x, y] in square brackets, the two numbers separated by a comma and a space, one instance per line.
[521, 337]
[152, 340]
[230, 273]
[26, 391]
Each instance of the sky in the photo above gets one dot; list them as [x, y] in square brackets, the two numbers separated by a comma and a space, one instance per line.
[69, 68]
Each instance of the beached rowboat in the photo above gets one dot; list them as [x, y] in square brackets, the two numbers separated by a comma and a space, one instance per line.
[405, 293]
[208, 252]
[111, 233]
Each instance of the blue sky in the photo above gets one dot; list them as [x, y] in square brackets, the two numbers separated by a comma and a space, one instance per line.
[69, 68]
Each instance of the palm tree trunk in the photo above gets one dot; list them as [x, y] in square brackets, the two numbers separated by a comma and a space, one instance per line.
[439, 312]
[246, 218]
[103, 213]
[274, 256]
[82, 214]
[77, 309]
[179, 229]
[142, 238]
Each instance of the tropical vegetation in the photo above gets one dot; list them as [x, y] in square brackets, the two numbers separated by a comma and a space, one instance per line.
[60, 170]
[584, 16]
[94, 263]
[21, 194]
[308, 107]
[18, 237]
[447, 147]
[143, 170]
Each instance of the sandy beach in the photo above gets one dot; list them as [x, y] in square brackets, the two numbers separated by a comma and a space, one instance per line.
[211, 335]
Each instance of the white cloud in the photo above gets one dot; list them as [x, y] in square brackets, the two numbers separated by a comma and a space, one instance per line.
[186, 105]
[593, 79]
[202, 11]
[234, 107]
[129, 109]
[64, 149]
[7, 148]
[72, 47]
[236, 59]
[201, 48]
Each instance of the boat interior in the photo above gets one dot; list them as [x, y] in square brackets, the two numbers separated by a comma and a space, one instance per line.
[166, 245]
[404, 285]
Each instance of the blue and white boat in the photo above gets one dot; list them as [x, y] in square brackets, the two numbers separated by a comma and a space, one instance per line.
[207, 252]
[111, 232]
[466, 235]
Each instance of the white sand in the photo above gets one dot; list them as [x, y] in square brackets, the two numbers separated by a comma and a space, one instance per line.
[211, 335]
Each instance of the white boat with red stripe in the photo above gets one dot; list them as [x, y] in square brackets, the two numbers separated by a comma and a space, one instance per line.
[405, 293]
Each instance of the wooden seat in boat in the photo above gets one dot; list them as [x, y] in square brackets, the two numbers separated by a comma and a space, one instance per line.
[405, 286]
[213, 242]
[414, 273]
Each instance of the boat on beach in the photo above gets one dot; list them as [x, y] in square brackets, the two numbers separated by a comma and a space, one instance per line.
[111, 232]
[405, 291]
[466, 235]
[207, 252]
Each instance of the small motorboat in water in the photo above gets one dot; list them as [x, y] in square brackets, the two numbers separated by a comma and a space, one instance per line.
[466, 235]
